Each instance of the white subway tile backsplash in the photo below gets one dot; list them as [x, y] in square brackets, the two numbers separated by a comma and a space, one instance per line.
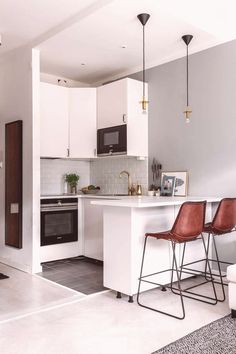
[105, 173]
[52, 172]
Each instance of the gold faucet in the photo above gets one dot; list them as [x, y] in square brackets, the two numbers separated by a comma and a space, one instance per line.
[129, 181]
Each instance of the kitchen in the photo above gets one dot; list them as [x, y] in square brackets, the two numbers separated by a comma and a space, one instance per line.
[56, 86]
[104, 171]
[77, 155]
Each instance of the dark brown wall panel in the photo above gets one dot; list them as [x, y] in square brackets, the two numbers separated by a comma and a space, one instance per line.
[13, 184]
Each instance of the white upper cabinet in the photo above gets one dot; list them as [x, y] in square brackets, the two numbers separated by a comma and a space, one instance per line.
[137, 121]
[70, 118]
[82, 113]
[112, 104]
[54, 118]
[119, 103]
[68, 121]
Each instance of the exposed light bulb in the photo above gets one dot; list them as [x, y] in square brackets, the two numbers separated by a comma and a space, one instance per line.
[144, 104]
[187, 113]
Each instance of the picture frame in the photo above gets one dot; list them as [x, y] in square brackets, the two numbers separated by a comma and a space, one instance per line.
[181, 182]
[167, 185]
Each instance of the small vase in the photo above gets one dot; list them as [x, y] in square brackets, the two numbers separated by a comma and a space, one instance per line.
[73, 189]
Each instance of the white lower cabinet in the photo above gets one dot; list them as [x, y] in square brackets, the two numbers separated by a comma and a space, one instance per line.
[93, 230]
[124, 230]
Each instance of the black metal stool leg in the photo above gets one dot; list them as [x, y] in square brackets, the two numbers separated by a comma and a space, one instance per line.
[218, 263]
[178, 279]
[141, 270]
[174, 262]
[200, 297]
[209, 267]
[182, 261]
[172, 275]
[207, 249]
[181, 266]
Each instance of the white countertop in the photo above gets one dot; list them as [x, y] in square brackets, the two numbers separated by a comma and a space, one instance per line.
[147, 202]
[93, 196]
[132, 201]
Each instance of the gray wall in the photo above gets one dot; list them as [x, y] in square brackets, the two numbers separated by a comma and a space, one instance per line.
[206, 147]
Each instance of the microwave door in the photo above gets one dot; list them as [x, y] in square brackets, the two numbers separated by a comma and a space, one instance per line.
[112, 140]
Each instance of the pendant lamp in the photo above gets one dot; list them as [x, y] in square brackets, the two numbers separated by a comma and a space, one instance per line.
[187, 39]
[143, 18]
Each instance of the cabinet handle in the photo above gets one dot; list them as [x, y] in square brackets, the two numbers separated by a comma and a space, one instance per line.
[95, 152]
[124, 118]
[68, 152]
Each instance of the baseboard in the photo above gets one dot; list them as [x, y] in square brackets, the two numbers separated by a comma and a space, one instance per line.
[23, 267]
[81, 257]
[93, 260]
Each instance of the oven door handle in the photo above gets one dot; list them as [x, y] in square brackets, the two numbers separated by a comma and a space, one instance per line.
[49, 209]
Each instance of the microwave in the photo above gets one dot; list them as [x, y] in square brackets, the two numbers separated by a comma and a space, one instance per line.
[112, 140]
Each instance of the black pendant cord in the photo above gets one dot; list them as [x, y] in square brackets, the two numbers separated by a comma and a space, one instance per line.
[143, 63]
[187, 77]
[187, 39]
[143, 18]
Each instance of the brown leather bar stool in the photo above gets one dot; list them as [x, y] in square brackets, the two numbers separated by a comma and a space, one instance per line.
[224, 222]
[188, 227]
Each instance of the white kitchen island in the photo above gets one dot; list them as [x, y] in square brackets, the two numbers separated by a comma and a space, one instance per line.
[125, 222]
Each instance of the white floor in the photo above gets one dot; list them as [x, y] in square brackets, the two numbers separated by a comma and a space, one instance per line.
[22, 293]
[41, 317]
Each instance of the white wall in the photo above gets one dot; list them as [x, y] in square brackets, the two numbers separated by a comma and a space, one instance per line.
[205, 147]
[52, 172]
[36, 160]
[16, 103]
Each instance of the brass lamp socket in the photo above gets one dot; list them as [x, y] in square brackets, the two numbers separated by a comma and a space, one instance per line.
[144, 103]
[187, 112]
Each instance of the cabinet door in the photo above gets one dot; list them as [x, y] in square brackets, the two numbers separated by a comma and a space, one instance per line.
[93, 230]
[112, 103]
[82, 117]
[53, 120]
[137, 128]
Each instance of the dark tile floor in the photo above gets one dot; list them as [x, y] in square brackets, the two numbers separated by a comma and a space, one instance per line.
[80, 274]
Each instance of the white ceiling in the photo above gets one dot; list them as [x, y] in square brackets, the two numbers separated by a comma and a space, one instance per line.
[22, 21]
[71, 32]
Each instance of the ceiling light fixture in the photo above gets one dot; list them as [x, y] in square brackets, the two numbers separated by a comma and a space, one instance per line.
[187, 39]
[143, 18]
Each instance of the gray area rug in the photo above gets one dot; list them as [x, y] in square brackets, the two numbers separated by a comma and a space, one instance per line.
[218, 337]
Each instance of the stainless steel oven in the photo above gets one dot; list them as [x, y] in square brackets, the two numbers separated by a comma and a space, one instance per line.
[112, 140]
[59, 220]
